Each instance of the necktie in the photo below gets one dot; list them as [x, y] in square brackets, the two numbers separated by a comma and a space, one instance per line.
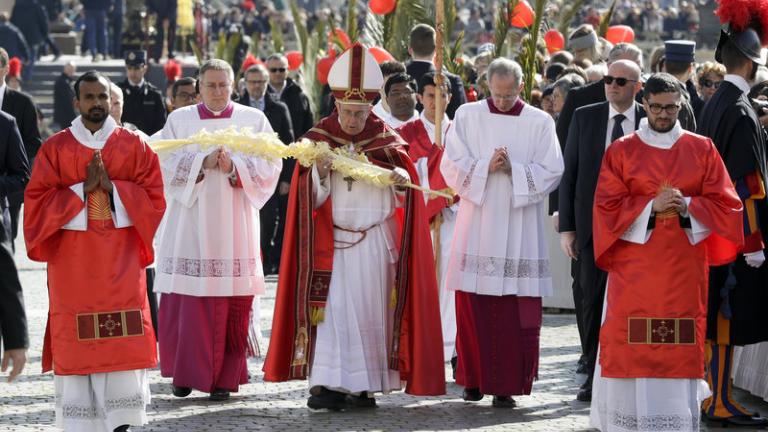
[617, 131]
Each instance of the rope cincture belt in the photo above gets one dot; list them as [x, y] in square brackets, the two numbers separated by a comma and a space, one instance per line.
[346, 244]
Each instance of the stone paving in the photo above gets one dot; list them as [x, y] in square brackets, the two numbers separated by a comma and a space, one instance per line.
[27, 405]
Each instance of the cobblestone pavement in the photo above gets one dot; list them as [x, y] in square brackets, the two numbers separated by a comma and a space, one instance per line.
[27, 405]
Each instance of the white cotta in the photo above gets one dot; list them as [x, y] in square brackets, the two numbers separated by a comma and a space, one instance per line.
[499, 244]
[648, 404]
[101, 402]
[210, 241]
[353, 340]
[750, 369]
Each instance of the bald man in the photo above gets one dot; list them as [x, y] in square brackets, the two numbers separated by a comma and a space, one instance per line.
[593, 129]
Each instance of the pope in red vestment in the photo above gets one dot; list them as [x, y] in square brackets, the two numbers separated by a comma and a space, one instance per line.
[315, 240]
[99, 318]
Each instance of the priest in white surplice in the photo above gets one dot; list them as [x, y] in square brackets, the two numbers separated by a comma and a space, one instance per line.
[209, 265]
[502, 159]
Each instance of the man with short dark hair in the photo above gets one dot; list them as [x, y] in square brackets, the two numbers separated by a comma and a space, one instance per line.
[288, 91]
[421, 47]
[388, 68]
[737, 294]
[400, 90]
[183, 92]
[144, 104]
[662, 194]
[92, 207]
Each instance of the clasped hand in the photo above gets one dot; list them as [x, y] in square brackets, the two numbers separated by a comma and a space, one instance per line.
[670, 198]
[219, 158]
[500, 161]
[96, 175]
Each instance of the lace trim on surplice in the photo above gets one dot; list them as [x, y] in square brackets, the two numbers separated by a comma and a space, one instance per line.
[655, 422]
[505, 267]
[236, 267]
[85, 412]
[468, 179]
[181, 176]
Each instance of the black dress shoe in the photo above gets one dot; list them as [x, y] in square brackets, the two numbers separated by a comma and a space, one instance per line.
[123, 428]
[504, 402]
[584, 395]
[219, 395]
[472, 395]
[323, 398]
[581, 368]
[361, 401]
[755, 421]
[181, 391]
[454, 364]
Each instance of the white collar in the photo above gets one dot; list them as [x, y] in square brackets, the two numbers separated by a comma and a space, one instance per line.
[94, 140]
[663, 140]
[738, 81]
[628, 114]
[430, 127]
[131, 83]
[3, 87]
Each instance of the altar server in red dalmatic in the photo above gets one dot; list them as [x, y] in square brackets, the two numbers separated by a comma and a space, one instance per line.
[91, 210]
[663, 196]
[356, 311]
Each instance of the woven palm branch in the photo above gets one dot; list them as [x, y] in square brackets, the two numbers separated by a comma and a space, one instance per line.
[243, 140]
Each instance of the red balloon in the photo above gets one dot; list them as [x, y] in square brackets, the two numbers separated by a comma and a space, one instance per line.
[323, 68]
[295, 59]
[382, 7]
[380, 54]
[342, 36]
[554, 40]
[522, 15]
[620, 33]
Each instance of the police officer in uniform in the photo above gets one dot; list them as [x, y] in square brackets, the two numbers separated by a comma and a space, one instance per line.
[679, 56]
[144, 106]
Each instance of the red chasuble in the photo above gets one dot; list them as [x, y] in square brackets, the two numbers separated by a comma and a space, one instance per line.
[419, 146]
[656, 310]
[99, 317]
[307, 262]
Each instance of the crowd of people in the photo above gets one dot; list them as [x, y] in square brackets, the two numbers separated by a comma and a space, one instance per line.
[653, 174]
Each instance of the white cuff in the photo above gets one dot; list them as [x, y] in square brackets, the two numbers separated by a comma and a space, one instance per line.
[698, 231]
[120, 215]
[638, 232]
[80, 221]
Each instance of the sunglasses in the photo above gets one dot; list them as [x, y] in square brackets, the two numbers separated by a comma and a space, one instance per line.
[621, 82]
[709, 83]
[276, 70]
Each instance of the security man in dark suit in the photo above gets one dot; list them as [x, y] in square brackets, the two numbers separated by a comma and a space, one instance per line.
[272, 215]
[14, 175]
[593, 129]
[421, 47]
[144, 105]
[23, 109]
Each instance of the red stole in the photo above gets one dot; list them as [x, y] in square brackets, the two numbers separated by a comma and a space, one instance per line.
[99, 318]
[657, 292]
[307, 262]
[419, 146]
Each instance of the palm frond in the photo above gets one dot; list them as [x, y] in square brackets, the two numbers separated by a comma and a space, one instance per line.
[352, 29]
[407, 14]
[374, 29]
[530, 65]
[196, 49]
[314, 50]
[278, 44]
[452, 55]
[501, 27]
[605, 20]
[567, 16]
[221, 45]
[300, 28]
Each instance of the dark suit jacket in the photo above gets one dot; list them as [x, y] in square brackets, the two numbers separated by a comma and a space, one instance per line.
[144, 107]
[63, 107]
[280, 119]
[417, 69]
[298, 105]
[20, 106]
[583, 157]
[14, 175]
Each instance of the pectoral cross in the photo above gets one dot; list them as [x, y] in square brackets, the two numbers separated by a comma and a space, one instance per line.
[349, 181]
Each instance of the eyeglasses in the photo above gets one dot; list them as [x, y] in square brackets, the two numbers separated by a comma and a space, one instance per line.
[657, 108]
[621, 82]
[710, 83]
[276, 70]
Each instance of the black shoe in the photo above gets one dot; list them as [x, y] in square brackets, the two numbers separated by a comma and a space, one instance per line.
[454, 364]
[584, 395]
[362, 401]
[504, 402]
[323, 398]
[123, 428]
[219, 395]
[755, 421]
[181, 391]
[581, 368]
[472, 395]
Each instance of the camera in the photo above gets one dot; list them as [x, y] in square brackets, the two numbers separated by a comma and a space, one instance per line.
[760, 106]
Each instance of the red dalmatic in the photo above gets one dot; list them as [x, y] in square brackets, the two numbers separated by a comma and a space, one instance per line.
[307, 262]
[656, 310]
[99, 317]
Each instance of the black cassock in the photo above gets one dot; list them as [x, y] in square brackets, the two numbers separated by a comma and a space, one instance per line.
[730, 121]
